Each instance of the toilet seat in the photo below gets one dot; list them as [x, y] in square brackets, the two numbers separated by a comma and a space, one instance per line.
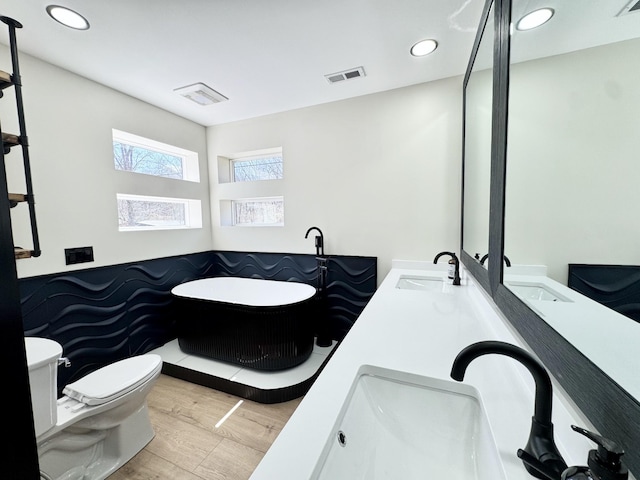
[114, 380]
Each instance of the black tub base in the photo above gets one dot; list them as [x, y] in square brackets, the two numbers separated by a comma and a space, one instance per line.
[264, 337]
[262, 387]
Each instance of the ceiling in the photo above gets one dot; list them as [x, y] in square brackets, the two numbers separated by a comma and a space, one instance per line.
[266, 56]
[576, 25]
[269, 56]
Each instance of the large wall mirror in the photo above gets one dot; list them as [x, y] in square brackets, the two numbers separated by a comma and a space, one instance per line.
[573, 169]
[478, 105]
[563, 189]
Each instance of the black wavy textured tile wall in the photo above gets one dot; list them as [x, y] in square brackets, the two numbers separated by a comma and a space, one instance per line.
[104, 314]
[351, 281]
[615, 286]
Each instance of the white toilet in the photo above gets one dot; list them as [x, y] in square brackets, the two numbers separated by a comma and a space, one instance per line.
[102, 420]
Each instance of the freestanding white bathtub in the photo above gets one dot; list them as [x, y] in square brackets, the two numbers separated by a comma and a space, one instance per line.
[260, 324]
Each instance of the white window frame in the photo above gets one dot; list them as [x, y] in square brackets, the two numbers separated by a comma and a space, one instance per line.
[190, 163]
[193, 212]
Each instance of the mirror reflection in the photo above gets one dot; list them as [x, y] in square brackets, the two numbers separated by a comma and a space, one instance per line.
[572, 171]
[477, 146]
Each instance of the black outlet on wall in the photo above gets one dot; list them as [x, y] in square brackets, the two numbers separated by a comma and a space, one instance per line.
[78, 255]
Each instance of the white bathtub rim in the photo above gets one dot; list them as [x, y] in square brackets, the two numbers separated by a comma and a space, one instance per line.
[253, 292]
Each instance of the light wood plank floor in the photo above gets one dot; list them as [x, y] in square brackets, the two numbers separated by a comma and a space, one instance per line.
[187, 446]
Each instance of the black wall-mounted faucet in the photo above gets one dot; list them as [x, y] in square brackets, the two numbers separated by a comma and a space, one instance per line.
[484, 259]
[319, 241]
[456, 274]
[541, 445]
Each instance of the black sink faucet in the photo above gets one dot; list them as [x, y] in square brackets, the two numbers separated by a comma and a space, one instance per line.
[507, 262]
[541, 444]
[319, 241]
[454, 258]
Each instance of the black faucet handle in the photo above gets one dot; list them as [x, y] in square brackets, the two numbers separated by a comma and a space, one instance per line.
[605, 462]
[608, 449]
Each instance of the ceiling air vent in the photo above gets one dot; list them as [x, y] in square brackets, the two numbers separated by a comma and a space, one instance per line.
[633, 6]
[346, 75]
[201, 94]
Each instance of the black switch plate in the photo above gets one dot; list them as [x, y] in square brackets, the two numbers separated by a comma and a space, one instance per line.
[78, 255]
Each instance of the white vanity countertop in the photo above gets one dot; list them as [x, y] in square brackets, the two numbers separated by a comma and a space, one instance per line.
[421, 332]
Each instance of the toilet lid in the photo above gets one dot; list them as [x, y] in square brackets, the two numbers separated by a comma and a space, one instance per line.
[115, 380]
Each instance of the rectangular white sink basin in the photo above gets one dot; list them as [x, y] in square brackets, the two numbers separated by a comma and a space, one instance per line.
[411, 282]
[536, 291]
[395, 425]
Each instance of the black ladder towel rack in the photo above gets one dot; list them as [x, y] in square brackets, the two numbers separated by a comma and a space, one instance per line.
[19, 457]
[10, 141]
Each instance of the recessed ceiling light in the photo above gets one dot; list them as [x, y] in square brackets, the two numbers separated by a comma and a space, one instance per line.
[68, 17]
[535, 19]
[424, 47]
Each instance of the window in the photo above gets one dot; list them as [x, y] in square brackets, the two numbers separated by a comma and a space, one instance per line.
[264, 167]
[137, 212]
[258, 202]
[132, 153]
[258, 211]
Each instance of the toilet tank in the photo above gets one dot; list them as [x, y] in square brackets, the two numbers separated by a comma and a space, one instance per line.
[42, 360]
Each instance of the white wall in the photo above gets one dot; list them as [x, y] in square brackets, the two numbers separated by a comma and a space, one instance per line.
[572, 167]
[69, 121]
[379, 174]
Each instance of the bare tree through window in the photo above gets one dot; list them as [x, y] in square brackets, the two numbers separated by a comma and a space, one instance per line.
[146, 213]
[259, 212]
[257, 168]
[132, 158]
[135, 154]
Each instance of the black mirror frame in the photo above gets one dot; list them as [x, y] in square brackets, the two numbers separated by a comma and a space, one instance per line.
[610, 408]
[479, 272]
